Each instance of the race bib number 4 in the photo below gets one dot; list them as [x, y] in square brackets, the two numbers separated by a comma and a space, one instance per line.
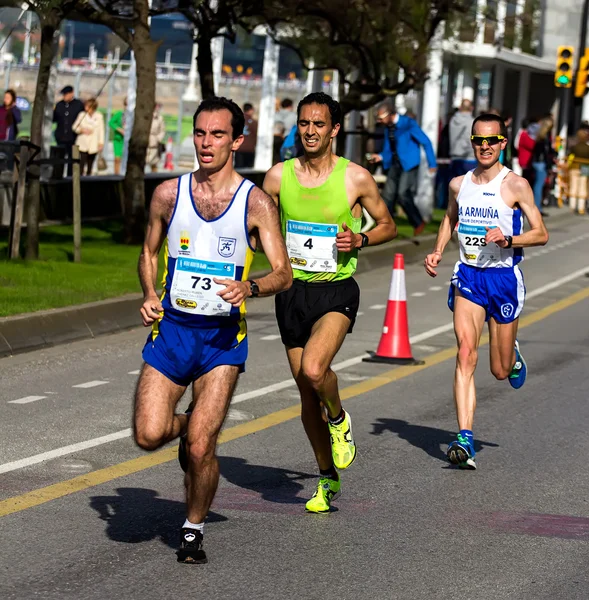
[195, 292]
[474, 245]
[311, 246]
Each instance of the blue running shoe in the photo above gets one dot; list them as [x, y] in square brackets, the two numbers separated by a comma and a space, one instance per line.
[518, 374]
[461, 453]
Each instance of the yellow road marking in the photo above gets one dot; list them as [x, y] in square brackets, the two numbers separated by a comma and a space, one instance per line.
[82, 482]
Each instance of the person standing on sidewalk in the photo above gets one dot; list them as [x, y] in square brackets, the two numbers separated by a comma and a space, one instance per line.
[211, 221]
[89, 126]
[157, 133]
[321, 197]
[488, 205]
[10, 117]
[117, 124]
[246, 155]
[462, 158]
[64, 115]
[401, 157]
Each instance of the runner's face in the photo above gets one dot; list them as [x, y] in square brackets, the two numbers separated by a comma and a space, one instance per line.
[213, 139]
[487, 155]
[315, 129]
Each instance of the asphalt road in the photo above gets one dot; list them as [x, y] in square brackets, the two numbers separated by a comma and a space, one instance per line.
[85, 514]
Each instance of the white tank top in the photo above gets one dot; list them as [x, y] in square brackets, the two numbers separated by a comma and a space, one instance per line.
[197, 250]
[481, 206]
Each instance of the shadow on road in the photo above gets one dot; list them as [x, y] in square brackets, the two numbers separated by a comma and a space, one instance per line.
[274, 485]
[429, 439]
[138, 515]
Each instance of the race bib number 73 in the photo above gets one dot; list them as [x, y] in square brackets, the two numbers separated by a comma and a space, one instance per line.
[311, 246]
[193, 289]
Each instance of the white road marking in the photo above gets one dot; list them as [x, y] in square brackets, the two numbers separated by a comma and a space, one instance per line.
[436, 288]
[269, 338]
[38, 458]
[90, 384]
[135, 372]
[377, 306]
[425, 348]
[418, 294]
[33, 460]
[26, 399]
[359, 313]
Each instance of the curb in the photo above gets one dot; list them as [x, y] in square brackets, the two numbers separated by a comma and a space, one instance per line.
[44, 329]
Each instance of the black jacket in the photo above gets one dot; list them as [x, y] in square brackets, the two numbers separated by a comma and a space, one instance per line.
[64, 115]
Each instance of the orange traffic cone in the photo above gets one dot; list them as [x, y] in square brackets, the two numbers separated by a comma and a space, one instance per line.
[394, 346]
[169, 164]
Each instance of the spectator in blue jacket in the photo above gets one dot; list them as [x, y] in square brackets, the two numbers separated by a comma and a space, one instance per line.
[400, 157]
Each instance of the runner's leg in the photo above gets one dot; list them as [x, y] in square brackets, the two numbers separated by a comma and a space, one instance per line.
[311, 413]
[156, 397]
[213, 392]
[469, 319]
[502, 347]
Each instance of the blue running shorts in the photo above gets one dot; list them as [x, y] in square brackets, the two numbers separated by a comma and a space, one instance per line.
[500, 291]
[183, 354]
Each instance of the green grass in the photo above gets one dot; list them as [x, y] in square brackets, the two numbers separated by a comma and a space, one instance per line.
[108, 269]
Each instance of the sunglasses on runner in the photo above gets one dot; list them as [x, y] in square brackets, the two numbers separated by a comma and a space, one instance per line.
[478, 140]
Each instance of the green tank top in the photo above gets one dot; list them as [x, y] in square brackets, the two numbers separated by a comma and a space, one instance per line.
[310, 219]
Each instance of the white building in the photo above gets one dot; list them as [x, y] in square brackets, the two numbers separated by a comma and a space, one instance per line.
[502, 57]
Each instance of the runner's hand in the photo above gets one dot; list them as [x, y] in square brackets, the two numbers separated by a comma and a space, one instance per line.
[431, 262]
[496, 236]
[151, 310]
[346, 241]
[235, 292]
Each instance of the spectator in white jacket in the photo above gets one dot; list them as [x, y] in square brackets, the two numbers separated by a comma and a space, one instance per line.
[89, 125]
[156, 138]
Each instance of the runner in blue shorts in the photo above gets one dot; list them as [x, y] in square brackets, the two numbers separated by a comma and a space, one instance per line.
[211, 221]
[488, 205]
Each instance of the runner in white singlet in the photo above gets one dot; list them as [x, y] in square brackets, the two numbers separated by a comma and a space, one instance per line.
[488, 206]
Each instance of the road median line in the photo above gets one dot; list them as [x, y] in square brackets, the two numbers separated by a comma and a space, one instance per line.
[94, 478]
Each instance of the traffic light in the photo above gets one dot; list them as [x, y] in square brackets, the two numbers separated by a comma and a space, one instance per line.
[563, 76]
[582, 73]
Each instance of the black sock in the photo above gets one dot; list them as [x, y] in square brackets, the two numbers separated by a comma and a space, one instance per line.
[339, 419]
[330, 474]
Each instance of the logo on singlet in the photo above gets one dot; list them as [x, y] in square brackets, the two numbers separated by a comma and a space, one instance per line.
[184, 243]
[226, 246]
[488, 193]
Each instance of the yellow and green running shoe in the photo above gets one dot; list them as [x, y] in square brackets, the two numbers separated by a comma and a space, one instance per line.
[343, 448]
[327, 490]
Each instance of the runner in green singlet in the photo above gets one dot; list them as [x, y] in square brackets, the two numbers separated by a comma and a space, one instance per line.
[320, 197]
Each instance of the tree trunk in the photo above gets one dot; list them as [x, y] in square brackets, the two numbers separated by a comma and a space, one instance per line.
[204, 62]
[145, 50]
[49, 27]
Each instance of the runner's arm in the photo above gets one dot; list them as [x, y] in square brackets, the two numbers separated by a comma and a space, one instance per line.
[537, 235]
[446, 229]
[148, 259]
[366, 191]
[263, 216]
[272, 181]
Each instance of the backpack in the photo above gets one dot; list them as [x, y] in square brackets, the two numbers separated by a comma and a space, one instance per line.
[291, 145]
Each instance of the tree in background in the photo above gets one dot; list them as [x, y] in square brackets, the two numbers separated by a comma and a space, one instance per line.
[129, 20]
[51, 13]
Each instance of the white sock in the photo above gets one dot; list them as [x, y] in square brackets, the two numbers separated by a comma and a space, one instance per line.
[198, 526]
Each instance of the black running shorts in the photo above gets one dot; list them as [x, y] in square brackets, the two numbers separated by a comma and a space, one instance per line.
[300, 307]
